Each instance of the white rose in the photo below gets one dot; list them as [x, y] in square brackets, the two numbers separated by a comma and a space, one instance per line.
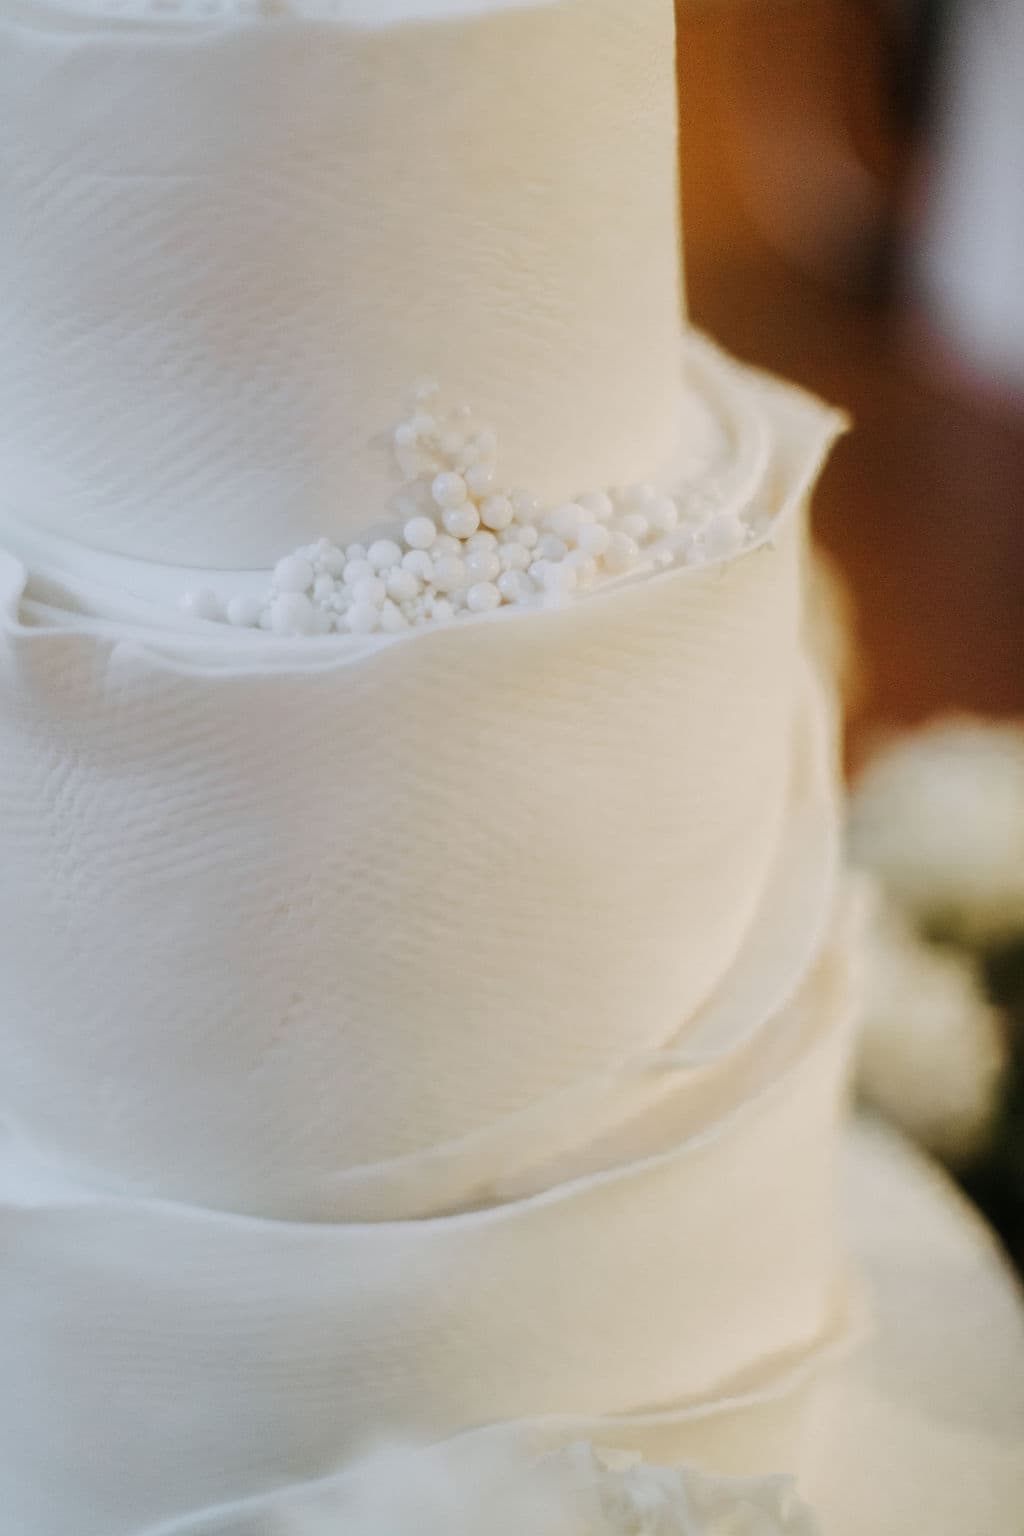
[932, 1050]
[938, 817]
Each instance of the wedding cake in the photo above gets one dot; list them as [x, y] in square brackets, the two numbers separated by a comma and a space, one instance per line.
[428, 987]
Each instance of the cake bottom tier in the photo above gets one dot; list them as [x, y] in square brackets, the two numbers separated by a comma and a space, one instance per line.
[166, 1364]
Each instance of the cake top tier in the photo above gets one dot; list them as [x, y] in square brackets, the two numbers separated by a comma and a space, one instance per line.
[230, 246]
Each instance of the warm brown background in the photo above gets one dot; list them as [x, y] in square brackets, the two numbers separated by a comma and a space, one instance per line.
[923, 505]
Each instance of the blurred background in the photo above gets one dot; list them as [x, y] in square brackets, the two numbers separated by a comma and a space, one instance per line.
[853, 203]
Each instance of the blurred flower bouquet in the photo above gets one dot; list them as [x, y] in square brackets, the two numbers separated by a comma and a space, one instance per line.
[937, 817]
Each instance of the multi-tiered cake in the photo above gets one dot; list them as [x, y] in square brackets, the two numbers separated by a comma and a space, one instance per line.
[426, 996]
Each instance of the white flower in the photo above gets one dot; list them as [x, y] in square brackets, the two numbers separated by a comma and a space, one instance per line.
[938, 817]
[465, 1490]
[932, 1050]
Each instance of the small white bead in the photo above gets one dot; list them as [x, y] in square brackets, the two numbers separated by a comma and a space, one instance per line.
[559, 580]
[420, 532]
[526, 535]
[383, 554]
[638, 498]
[482, 597]
[441, 611]
[244, 611]
[333, 561]
[293, 574]
[323, 588]
[516, 587]
[584, 565]
[479, 476]
[636, 525]
[482, 540]
[292, 613]
[403, 586]
[527, 506]
[551, 547]
[482, 565]
[449, 573]
[356, 552]
[392, 619]
[621, 553]
[369, 590]
[513, 557]
[449, 490]
[363, 618]
[444, 544]
[664, 514]
[566, 521]
[419, 564]
[599, 503]
[357, 570]
[497, 512]
[461, 521]
[202, 603]
[593, 539]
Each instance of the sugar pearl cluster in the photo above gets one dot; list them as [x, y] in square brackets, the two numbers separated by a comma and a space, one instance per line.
[469, 545]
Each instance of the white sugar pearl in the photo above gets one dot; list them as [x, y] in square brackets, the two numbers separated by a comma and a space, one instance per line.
[370, 589]
[597, 502]
[383, 554]
[636, 525]
[482, 565]
[333, 561]
[513, 557]
[419, 564]
[444, 544]
[357, 570]
[516, 587]
[441, 611]
[392, 619]
[244, 611]
[363, 618]
[664, 514]
[420, 532]
[291, 613]
[449, 573]
[483, 540]
[551, 547]
[584, 565]
[621, 553]
[638, 497]
[497, 512]
[323, 588]
[527, 535]
[537, 572]
[479, 476]
[462, 521]
[482, 597]
[203, 604]
[403, 586]
[527, 506]
[593, 539]
[566, 521]
[559, 580]
[293, 574]
[449, 490]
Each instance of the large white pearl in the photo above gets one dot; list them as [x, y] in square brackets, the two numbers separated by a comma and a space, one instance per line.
[597, 502]
[449, 490]
[497, 512]
[482, 597]
[363, 618]
[357, 570]
[462, 521]
[383, 554]
[636, 525]
[482, 565]
[202, 603]
[664, 514]
[566, 521]
[621, 553]
[420, 532]
[479, 477]
[370, 589]
[419, 564]
[593, 539]
[293, 574]
[292, 613]
[449, 573]
[244, 611]
[516, 587]
[403, 585]
[513, 557]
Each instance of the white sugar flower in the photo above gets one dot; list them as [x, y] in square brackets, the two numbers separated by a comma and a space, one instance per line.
[938, 817]
[932, 1049]
[578, 1492]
